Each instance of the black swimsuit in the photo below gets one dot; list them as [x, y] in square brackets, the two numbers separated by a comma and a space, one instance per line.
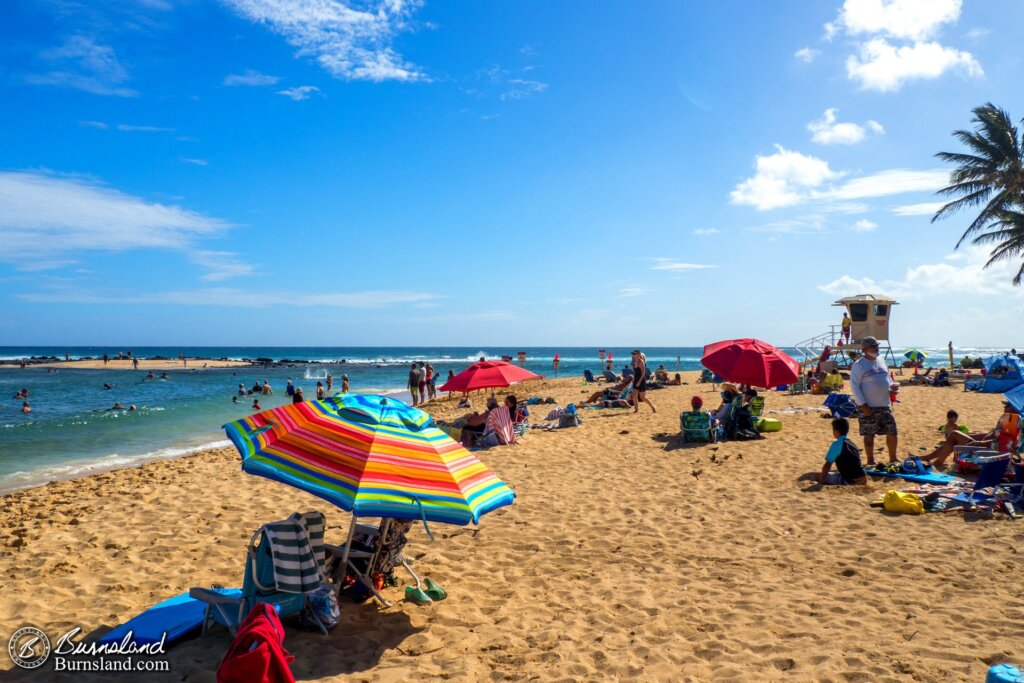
[639, 378]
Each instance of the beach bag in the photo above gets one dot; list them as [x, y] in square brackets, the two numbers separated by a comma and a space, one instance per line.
[568, 420]
[321, 608]
[898, 501]
[768, 424]
[257, 653]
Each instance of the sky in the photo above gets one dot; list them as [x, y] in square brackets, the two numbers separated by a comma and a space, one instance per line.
[396, 172]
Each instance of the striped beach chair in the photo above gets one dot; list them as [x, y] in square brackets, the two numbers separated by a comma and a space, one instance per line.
[284, 564]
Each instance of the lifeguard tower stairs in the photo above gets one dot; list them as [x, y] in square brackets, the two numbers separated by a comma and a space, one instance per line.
[870, 314]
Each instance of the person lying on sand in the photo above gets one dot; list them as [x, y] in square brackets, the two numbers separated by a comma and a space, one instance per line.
[954, 437]
[675, 381]
[845, 455]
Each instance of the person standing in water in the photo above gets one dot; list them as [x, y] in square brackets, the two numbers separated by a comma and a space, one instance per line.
[330, 381]
[414, 384]
[320, 393]
[554, 364]
[344, 384]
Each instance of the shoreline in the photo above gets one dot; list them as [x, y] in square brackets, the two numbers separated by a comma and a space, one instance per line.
[124, 364]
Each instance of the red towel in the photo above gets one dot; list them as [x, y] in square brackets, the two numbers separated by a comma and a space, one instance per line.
[257, 653]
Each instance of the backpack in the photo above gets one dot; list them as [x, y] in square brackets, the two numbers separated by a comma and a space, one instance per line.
[257, 654]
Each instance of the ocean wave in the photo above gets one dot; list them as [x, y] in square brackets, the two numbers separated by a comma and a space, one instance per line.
[82, 468]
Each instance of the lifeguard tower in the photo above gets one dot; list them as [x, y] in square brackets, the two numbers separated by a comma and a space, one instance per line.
[870, 315]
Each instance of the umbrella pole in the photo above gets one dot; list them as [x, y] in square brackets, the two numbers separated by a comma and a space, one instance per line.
[344, 556]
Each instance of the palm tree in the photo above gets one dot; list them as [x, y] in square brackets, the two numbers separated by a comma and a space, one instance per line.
[993, 176]
[1006, 230]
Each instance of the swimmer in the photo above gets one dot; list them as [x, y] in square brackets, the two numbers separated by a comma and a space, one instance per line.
[165, 376]
[132, 407]
[25, 407]
[117, 406]
[234, 399]
[150, 375]
[107, 386]
[256, 404]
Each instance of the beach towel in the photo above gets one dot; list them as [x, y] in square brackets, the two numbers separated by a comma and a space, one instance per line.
[499, 430]
[257, 653]
[297, 550]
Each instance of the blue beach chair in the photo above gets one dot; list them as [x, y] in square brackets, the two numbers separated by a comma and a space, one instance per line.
[696, 427]
[229, 606]
[991, 471]
[589, 376]
[841, 405]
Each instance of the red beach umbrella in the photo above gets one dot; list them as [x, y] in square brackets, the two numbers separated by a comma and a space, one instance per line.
[750, 361]
[487, 374]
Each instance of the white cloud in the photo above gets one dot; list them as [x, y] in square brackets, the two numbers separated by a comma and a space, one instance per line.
[631, 291]
[251, 77]
[886, 68]
[864, 225]
[220, 264]
[300, 93]
[978, 33]
[704, 232]
[889, 182]
[923, 209]
[826, 131]
[521, 89]
[350, 43]
[83, 64]
[806, 54]
[48, 217]
[781, 179]
[232, 297]
[93, 124]
[126, 128]
[904, 19]
[678, 266]
[194, 162]
[966, 274]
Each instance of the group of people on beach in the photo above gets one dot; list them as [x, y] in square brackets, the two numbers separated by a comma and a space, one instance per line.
[422, 382]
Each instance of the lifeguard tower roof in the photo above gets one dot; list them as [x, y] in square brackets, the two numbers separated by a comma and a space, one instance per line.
[866, 299]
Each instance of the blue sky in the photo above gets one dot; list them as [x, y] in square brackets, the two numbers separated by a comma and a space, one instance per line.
[310, 172]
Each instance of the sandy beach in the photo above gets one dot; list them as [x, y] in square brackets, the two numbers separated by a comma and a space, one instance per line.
[622, 559]
[124, 364]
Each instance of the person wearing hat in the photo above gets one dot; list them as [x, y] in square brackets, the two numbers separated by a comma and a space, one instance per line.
[870, 383]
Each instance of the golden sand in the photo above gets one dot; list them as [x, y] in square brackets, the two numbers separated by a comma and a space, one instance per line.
[621, 559]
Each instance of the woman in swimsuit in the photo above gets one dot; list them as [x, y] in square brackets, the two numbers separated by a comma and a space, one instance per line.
[640, 382]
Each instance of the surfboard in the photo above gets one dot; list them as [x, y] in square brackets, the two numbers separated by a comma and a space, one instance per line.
[177, 617]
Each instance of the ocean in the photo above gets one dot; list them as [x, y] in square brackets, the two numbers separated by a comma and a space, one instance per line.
[70, 432]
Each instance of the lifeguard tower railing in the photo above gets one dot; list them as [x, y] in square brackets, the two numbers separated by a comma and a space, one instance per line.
[811, 349]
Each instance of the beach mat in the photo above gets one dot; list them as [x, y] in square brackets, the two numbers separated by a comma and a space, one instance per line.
[929, 478]
[177, 617]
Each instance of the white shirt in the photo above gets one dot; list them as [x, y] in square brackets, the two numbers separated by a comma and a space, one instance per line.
[869, 380]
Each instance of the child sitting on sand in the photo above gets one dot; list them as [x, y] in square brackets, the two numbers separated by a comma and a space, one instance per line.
[846, 457]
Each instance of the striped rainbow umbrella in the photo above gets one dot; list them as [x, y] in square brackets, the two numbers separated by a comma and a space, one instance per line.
[372, 456]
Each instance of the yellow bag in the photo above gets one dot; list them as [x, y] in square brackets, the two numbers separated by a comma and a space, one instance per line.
[897, 501]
